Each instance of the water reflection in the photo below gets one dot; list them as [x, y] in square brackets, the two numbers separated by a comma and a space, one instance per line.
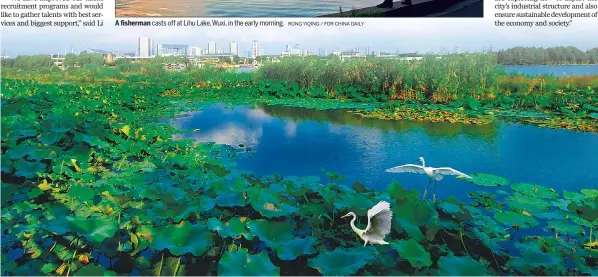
[487, 132]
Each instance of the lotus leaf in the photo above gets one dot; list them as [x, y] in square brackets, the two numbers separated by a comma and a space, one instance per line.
[271, 232]
[342, 261]
[182, 238]
[535, 190]
[452, 265]
[511, 218]
[562, 204]
[550, 215]
[29, 169]
[233, 228]
[230, 200]
[527, 203]
[94, 229]
[94, 270]
[590, 192]
[488, 180]
[412, 215]
[171, 266]
[82, 193]
[574, 196]
[534, 261]
[240, 263]
[563, 227]
[411, 250]
[586, 209]
[268, 204]
[291, 249]
[486, 200]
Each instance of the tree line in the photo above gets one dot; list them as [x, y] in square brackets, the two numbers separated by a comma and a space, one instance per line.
[560, 55]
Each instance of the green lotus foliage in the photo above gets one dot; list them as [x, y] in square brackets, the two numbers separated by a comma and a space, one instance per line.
[271, 232]
[182, 238]
[452, 265]
[294, 248]
[241, 263]
[413, 252]
[93, 270]
[535, 191]
[339, 262]
[94, 229]
[520, 220]
[95, 183]
[489, 180]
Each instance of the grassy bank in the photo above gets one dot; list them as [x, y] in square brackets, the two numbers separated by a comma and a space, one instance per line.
[91, 185]
[465, 88]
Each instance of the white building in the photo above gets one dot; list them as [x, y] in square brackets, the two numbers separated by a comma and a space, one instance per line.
[234, 48]
[255, 51]
[195, 51]
[211, 48]
[146, 48]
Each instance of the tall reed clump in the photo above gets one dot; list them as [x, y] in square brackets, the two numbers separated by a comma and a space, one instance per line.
[434, 78]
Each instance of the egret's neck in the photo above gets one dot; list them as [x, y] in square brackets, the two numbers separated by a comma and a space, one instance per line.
[355, 229]
[423, 163]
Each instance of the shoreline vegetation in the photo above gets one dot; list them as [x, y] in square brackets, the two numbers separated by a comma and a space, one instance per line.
[467, 88]
[93, 185]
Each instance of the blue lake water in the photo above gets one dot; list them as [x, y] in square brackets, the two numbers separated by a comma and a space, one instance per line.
[297, 141]
[555, 70]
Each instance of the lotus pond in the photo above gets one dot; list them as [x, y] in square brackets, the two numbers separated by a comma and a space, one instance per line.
[96, 181]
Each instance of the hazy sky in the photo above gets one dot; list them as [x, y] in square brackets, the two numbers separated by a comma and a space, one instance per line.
[407, 35]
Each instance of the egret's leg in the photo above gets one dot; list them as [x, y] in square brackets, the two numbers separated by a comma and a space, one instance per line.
[426, 189]
[434, 197]
[365, 242]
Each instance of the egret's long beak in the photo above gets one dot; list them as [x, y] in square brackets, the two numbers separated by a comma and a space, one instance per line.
[345, 215]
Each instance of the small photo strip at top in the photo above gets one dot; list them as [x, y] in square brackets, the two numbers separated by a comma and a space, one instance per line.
[300, 8]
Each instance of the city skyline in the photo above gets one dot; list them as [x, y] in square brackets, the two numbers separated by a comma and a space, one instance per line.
[415, 35]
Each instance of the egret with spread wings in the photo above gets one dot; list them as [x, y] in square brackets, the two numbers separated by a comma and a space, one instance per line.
[379, 222]
[435, 173]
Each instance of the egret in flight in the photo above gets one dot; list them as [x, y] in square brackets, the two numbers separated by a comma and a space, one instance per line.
[432, 172]
[379, 220]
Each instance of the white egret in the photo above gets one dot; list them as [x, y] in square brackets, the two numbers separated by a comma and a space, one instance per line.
[432, 172]
[379, 221]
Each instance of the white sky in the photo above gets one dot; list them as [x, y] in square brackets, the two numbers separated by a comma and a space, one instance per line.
[379, 34]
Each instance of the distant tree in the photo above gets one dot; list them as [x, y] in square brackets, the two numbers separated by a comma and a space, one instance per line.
[34, 63]
[552, 55]
[70, 60]
[7, 63]
[236, 59]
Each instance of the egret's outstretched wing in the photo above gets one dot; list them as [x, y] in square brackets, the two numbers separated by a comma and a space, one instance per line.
[379, 220]
[409, 168]
[449, 171]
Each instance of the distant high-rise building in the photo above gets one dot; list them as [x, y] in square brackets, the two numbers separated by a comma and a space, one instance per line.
[234, 48]
[195, 51]
[146, 48]
[219, 51]
[288, 48]
[255, 50]
[261, 52]
[322, 52]
[211, 48]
